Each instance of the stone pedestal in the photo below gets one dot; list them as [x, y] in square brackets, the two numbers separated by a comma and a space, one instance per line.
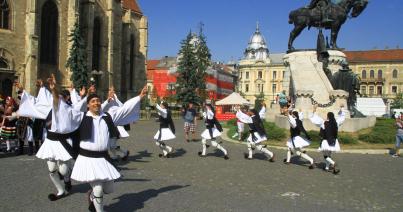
[309, 84]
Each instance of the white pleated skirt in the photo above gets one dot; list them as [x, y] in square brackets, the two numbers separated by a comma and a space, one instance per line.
[259, 138]
[88, 169]
[53, 150]
[326, 147]
[166, 134]
[206, 134]
[299, 142]
[241, 126]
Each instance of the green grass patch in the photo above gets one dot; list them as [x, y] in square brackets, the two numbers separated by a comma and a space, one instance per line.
[383, 132]
[273, 132]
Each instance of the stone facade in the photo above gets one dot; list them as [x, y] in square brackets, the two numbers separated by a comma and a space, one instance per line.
[36, 43]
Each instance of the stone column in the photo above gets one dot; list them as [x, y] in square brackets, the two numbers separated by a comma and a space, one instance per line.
[87, 24]
[72, 18]
[31, 43]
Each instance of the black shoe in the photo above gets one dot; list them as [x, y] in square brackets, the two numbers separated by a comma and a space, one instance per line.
[312, 166]
[161, 156]
[207, 146]
[91, 206]
[226, 157]
[54, 197]
[336, 171]
[187, 140]
[285, 162]
[126, 156]
[200, 154]
[67, 186]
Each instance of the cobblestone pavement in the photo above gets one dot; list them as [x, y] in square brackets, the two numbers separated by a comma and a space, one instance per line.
[187, 182]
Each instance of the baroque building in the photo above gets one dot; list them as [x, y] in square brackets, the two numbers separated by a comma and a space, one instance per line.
[34, 42]
[261, 74]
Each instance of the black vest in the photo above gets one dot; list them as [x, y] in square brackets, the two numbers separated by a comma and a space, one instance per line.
[297, 130]
[86, 126]
[257, 126]
[329, 133]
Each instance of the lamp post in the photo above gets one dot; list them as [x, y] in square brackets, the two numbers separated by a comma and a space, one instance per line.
[95, 77]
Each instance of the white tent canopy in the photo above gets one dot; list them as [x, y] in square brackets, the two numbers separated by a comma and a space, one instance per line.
[371, 106]
[233, 99]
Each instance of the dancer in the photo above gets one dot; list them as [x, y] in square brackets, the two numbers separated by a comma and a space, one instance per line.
[328, 132]
[166, 131]
[8, 126]
[257, 133]
[57, 147]
[93, 164]
[212, 131]
[296, 142]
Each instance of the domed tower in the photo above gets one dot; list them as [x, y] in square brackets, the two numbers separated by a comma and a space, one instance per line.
[257, 48]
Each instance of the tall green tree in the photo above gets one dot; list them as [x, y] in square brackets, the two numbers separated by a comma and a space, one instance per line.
[203, 58]
[77, 61]
[187, 81]
[397, 101]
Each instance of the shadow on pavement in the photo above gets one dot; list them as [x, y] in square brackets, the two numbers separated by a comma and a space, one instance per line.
[178, 153]
[135, 201]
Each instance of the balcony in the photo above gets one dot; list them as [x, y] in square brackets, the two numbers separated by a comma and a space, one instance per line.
[373, 80]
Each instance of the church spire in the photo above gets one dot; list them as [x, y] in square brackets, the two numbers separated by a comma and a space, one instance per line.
[257, 26]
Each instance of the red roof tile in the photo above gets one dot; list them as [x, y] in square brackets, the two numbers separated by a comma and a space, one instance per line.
[132, 5]
[152, 64]
[375, 55]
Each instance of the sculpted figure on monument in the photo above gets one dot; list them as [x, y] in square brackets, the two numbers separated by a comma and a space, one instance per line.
[324, 14]
[346, 79]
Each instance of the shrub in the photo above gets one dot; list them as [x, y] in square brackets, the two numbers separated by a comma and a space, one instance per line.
[273, 132]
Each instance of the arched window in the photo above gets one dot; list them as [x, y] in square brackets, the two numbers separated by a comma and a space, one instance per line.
[3, 63]
[372, 74]
[4, 15]
[96, 44]
[49, 33]
[379, 74]
[364, 74]
[132, 60]
[394, 73]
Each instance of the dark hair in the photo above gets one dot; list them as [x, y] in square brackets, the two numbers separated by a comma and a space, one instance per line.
[332, 120]
[211, 107]
[165, 104]
[91, 96]
[295, 113]
[65, 93]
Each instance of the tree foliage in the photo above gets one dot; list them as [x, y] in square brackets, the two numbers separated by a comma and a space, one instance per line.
[77, 61]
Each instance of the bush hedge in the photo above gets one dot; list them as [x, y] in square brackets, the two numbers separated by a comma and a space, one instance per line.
[273, 132]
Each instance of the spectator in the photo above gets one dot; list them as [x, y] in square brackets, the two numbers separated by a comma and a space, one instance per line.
[189, 116]
[283, 102]
[399, 137]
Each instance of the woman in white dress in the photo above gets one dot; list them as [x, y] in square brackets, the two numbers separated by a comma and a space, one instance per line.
[328, 132]
[296, 142]
[257, 133]
[212, 131]
[166, 131]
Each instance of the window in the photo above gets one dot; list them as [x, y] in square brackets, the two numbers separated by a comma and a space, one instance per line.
[274, 88]
[394, 73]
[4, 15]
[372, 74]
[259, 75]
[261, 88]
[283, 74]
[364, 74]
[96, 44]
[394, 89]
[247, 75]
[371, 90]
[363, 90]
[132, 60]
[274, 75]
[49, 34]
[3, 63]
[246, 87]
[379, 74]
[379, 90]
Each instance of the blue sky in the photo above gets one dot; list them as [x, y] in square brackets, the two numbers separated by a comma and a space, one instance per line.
[228, 25]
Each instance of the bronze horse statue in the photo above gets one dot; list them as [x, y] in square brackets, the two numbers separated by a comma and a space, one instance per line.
[333, 16]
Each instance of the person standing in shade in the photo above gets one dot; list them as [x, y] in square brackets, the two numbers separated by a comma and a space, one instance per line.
[212, 131]
[328, 132]
[399, 137]
[189, 117]
[296, 142]
[166, 131]
[257, 133]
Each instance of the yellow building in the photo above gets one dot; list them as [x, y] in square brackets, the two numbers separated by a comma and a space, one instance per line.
[260, 73]
[34, 42]
[381, 71]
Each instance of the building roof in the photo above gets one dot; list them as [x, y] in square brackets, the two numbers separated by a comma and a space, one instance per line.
[166, 62]
[277, 58]
[132, 5]
[152, 64]
[375, 55]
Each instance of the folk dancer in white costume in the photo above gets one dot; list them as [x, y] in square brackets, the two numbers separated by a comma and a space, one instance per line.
[57, 147]
[116, 151]
[257, 133]
[93, 164]
[212, 131]
[328, 132]
[296, 142]
[166, 131]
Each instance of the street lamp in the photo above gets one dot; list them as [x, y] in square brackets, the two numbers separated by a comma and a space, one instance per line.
[95, 77]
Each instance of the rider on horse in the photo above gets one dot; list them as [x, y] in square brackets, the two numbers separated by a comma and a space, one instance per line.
[321, 5]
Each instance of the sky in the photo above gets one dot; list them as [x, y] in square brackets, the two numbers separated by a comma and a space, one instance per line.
[229, 24]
